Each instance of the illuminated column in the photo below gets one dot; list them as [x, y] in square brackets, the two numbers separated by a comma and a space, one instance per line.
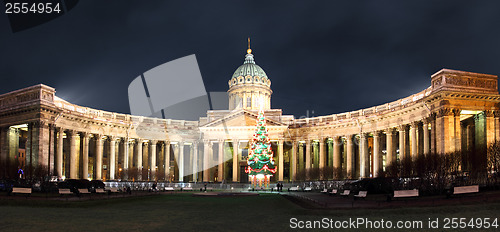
[425, 130]
[458, 130]
[322, 158]
[350, 156]
[167, 160]
[181, 161]
[413, 140]
[490, 127]
[59, 153]
[402, 142]
[206, 167]
[293, 162]
[308, 158]
[235, 160]
[220, 173]
[73, 160]
[98, 155]
[112, 157]
[85, 156]
[281, 162]
[152, 153]
[139, 158]
[126, 154]
[433, 133]
[364, 155]
[391, 157]
[195, 161]
[377, 154]
[337, 164]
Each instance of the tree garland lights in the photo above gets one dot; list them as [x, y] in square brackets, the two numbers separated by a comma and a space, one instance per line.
[260, 159]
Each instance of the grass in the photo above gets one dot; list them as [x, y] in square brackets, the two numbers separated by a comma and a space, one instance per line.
[182, 212]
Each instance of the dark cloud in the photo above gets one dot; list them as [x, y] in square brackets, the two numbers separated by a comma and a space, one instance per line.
[325, 56]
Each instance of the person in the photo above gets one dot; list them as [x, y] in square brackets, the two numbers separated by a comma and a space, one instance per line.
[281, 187]
[278, 187]
[205, 186]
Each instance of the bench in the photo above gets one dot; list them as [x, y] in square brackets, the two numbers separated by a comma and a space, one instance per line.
[169, 189]
[295, 189]
[210, 189]
[65, 192]
[406, 193]
[99, 190]
[324, 191]
[346, 193]
[465, 189]
[361, 194]
[17, 190]
[187, 189]
[114, 190]
[307, 189]
[333, 192]
[83, 191]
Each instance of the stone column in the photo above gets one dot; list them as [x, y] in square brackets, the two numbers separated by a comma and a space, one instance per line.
[425, 130]
[293, 162]
[458, 130]
[181, 161]
[470, 137]
[167, 160]
[433, 133]
[377, 154]
[85, 156]
[402, 142]
[308, 158]
[52, 146]
[413, 140]
[364, 155]
[112, 157]
[236, 144]
[337, 164]
[350, 156]
[125, 147]
[139, 158]
[73, 160]
[322, 158]
[490, 127]
[98, 155]
[206, 167]
[281, 162]
[153, 159]
[220, 173]
[195, 161]
[391, 157]
[59, 153]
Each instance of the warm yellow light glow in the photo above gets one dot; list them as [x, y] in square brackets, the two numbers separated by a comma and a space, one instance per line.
[470, 112]
[249, 51]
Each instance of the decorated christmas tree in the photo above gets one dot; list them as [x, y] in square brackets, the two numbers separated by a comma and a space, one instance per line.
[260, 158]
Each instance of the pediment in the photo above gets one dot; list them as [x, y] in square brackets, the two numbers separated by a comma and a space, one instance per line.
[240, 118]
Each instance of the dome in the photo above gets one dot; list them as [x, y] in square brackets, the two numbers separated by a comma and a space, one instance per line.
[249, 73]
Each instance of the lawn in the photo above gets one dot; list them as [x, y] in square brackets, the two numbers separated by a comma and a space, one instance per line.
[182, 212]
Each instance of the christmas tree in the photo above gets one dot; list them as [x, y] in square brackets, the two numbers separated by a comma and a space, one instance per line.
[260, 158]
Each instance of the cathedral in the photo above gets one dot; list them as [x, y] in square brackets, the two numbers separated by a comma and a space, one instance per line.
[46, 136]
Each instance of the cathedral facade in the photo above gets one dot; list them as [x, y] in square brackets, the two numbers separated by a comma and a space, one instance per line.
[45, 135]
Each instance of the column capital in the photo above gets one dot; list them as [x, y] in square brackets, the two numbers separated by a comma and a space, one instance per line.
[85, 135]
[444, 112]
[153, 142]
[414, 124]
[489, 113]
[376, 133]
[363, 135]
[98, 136]
[72, 133]
[111, 137]
[389, 131]
[403, 127]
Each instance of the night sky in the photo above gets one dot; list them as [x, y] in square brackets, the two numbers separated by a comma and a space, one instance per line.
[326, 56]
